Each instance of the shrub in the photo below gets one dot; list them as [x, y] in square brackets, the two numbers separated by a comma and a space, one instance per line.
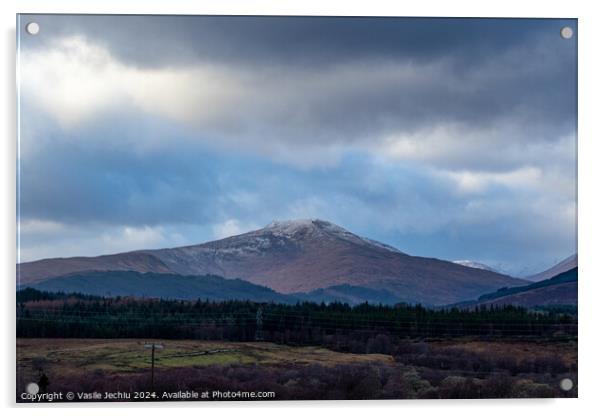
[381, 344]
[529, 389]
[455, 387]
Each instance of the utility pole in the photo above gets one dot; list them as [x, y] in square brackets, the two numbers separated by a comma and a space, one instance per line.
[153, 346]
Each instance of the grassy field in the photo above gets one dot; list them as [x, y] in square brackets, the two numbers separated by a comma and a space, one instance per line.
[77, 356]
[459, 368]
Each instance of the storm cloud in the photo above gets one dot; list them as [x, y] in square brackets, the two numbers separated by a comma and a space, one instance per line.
[453, 138]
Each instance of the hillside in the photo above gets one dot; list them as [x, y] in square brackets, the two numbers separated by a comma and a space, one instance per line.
[157, 285]
[563, 266]
[299, 256]
[558, 290]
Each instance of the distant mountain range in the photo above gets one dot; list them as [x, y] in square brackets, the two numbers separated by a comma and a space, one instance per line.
[558, 290]
[565, 265]
[301, 258]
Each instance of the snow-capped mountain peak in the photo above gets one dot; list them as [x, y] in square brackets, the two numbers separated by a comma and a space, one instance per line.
[290, 227]
[318, 227]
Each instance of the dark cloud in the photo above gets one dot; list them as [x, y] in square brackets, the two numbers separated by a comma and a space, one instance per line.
[416, 132]
[169, 40]
[349, 80]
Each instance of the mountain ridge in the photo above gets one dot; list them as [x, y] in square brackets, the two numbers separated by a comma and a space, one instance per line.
[557, 290]
[300, 256]
[560, 267]
[475, 265]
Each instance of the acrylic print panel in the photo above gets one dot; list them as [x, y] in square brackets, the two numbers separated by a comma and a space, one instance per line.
[284, 208]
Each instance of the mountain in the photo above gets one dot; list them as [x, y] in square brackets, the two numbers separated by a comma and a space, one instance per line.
[565, 265]
[298, 256]
[558, 290]
[352, 295]
[159, 285]
[475, 265]
[38, 271]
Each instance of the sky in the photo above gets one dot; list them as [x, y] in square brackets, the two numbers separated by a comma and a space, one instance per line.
[447, 138]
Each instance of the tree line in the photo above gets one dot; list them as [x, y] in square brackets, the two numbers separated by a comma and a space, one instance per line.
[336, 325]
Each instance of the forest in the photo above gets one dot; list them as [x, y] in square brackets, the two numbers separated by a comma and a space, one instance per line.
[336, 325]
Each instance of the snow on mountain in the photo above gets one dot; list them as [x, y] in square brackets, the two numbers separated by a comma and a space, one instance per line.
[299, 256]
[291, 228]
[475, 265]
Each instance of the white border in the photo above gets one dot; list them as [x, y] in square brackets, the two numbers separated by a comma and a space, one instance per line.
[590, 207]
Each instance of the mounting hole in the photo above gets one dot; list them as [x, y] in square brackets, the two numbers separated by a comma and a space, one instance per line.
[32, 388]
[566, 32]
[32, 28]
[566, 384]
